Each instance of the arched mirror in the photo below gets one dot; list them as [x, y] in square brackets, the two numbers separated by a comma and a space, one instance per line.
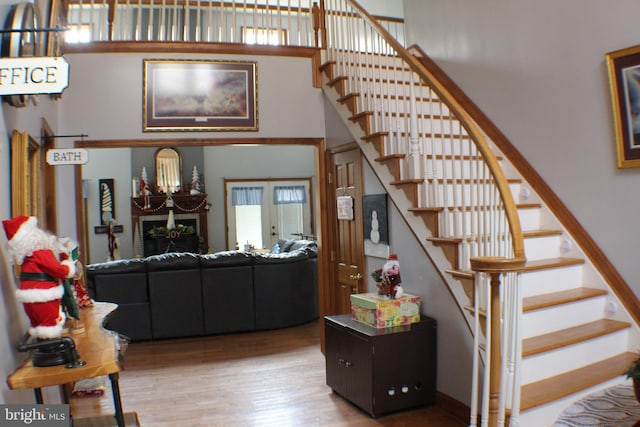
[168, 170]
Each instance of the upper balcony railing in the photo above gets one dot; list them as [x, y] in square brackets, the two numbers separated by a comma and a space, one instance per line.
[267, 22]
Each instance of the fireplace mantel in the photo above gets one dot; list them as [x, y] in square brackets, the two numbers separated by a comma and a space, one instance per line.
[182, 204]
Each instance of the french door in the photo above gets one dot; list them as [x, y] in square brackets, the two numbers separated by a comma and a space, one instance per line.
[260, 212]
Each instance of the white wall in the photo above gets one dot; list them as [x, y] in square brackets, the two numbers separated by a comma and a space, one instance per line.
[389, 8]
[537, 68]
[228, 162]
[104, 99]
[112, 163]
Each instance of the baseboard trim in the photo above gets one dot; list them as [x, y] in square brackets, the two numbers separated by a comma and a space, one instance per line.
[453, 406]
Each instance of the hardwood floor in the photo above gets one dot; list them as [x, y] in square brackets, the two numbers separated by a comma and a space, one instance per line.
[272, 378]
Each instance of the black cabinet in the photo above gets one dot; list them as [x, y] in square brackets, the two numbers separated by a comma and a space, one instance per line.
[381, 370]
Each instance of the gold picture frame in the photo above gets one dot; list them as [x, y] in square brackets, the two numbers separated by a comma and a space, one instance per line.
[200, 95]
[624, 82]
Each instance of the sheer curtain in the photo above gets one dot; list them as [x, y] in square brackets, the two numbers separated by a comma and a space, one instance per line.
[243, 196]
[283, 195]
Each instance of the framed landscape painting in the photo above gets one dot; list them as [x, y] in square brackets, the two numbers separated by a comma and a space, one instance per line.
[624, 81]
[199, 95]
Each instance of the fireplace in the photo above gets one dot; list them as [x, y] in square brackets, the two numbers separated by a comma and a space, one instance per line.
[189, 210]
[178, 240]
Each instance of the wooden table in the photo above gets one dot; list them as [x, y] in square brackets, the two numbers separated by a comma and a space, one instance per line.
[98, 347]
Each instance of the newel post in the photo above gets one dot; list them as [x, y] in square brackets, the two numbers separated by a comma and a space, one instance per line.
[495, 267]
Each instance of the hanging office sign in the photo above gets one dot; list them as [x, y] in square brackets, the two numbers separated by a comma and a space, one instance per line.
[33, 75]
[67, 156]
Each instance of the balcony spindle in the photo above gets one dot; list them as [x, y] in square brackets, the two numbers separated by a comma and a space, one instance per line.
[415, 145]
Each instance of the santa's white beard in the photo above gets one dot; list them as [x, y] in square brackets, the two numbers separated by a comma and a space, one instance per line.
[36, 240]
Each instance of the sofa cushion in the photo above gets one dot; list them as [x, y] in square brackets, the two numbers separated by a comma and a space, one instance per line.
[227, 299]
[275, 249]
[285, 295]
[285, 244]
[281, 258]
[176, 303]
[131, 320]
[124, 288]
[173, 261]
[309, 246]
[226, 259]
[134, 265]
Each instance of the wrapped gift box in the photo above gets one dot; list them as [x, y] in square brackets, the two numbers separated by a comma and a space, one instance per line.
[381, 312]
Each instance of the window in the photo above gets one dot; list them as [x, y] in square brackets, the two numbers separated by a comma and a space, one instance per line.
[247, 204]
[261, 212]
[80, 33]
[267, 36]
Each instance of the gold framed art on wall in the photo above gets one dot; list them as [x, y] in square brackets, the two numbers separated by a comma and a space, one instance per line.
[624, 82]
[199, 95]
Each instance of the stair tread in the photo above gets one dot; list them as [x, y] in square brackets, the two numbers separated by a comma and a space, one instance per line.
[475, 208]
[568, 336]
[536, 302]
[541, 264]
[541, 233]
[434, 209]
[547, 390]
[449, 240]
[407, 181]
[390, 157]
[529, 205]
[458, 239]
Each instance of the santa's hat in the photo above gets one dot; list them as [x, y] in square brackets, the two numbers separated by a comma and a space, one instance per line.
[393, 257]
[19, 227]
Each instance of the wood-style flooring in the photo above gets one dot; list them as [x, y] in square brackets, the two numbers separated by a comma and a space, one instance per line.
[271, 378]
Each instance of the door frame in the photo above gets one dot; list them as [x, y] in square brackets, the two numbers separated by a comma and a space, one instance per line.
[227, 220]
[50, 200]
[320, 209]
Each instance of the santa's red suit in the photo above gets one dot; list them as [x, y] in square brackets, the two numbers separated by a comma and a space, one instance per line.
[38, 254]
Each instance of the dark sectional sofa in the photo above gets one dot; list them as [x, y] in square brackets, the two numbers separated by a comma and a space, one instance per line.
[184, 294]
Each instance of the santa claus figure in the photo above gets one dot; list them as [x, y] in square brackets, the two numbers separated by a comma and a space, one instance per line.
[391, 276]
[39, 254]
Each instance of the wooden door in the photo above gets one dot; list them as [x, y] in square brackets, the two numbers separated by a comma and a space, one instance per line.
[348, 256]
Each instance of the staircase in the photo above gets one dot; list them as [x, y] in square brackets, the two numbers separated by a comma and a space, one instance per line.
[576, 334]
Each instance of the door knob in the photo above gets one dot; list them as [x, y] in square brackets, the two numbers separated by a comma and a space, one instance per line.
[355, 276]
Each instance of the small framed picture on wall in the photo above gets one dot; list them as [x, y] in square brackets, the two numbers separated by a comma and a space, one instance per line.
[376, 226]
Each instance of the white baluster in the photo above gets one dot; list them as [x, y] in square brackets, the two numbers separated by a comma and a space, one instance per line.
[487, 354]
[475, 367]
[414, 148]
[161, 29]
